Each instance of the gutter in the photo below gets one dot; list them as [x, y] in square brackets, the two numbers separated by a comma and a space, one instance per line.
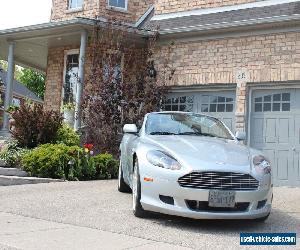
[235, 24]
[76, 21]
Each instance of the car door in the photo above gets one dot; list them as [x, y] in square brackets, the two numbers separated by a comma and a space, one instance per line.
[127, 150]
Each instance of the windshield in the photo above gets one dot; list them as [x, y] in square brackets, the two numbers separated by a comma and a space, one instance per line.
[185, 124]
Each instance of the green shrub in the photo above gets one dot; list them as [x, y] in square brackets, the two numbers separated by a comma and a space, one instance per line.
[53, 161]
[67, 136]
[11, 154]
[60, 161]
[106, 166]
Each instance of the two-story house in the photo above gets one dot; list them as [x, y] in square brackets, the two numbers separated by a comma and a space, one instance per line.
[238, 60]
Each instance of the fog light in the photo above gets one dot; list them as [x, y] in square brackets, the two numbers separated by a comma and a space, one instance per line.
[261, 204]
[167, 199]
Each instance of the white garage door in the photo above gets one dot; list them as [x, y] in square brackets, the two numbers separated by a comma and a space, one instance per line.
[218, 104]
[275, 128]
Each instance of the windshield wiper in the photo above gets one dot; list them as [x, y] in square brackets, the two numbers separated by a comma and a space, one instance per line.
[190, 133]
[161, 133]
[197, 133]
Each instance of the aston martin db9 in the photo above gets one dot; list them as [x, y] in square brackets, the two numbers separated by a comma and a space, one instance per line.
[191, 165]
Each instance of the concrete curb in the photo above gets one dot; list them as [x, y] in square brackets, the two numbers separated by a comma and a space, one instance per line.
[13, 172]
[16, 180]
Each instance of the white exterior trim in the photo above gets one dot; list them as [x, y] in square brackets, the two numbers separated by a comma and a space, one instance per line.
[66, 53]
[143, 17]
[199, 12]
[76, 8]
[118, 8]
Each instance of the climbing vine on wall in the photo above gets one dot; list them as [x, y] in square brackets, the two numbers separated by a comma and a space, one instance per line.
[123, 83]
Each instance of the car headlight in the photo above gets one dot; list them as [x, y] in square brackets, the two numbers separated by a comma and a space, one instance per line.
[262, 164]
[160, 159]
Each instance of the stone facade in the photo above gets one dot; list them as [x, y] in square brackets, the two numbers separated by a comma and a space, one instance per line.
[170, 6]
[94, 8]
[266, 58]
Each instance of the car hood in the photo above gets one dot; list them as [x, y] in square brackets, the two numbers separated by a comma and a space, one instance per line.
[204, 153]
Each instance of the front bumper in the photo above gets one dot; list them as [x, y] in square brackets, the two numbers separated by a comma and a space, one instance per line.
[165, 183]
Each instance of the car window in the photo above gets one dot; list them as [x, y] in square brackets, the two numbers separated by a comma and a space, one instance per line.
[185, 124]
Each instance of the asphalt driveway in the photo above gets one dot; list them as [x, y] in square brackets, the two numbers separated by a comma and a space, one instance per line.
[96, 210]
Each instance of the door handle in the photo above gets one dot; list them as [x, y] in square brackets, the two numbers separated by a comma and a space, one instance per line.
[294, 149]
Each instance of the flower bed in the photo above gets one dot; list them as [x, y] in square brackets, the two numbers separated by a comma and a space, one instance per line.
[51, 149]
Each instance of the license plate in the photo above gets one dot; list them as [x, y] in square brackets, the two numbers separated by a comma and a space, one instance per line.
[220, 198]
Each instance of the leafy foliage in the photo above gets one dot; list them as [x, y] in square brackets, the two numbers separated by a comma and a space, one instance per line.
[68, 162]
[106, 166]
[34, 81]
[67, 136]
[34, 125]
[18, 69]
[11, 154]
[51, 161]
[119, 88]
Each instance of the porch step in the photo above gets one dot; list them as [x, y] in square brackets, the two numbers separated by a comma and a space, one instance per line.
[13, 172]
[16, 180]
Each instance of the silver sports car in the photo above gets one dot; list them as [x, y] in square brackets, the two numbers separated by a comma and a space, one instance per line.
[191, 165]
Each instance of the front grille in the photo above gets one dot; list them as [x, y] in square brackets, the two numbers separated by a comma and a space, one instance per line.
[219, 180]
[202, 206]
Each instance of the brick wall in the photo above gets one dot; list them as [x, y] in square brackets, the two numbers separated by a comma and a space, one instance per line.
[169, 6]
[93, 8]
[267, 58]
[54, 79]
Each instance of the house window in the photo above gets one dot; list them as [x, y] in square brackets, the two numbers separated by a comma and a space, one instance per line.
[120, 4]
[181, 103]
[273, 103]
[214, 104]
[16, 102]
[71, 76]
[75, 4]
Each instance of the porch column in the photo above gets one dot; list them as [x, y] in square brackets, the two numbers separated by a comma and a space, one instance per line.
[80, 80]
[9, 85]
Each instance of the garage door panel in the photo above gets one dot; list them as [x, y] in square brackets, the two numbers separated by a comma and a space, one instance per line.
[297, 165]
[257, 130]
[284, 130]
[228, 122]
[270, 134]
[282, 164]
[275, 129]
[219, 104]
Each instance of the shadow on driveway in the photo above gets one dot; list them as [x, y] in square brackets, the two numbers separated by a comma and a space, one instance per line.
[279, 221]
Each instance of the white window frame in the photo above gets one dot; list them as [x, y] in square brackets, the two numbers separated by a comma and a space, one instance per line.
[75, 8]
[16, 102]
[66, 54]
[116, 7]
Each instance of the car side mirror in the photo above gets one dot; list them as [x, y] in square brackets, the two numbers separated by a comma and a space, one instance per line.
[240, 135]
[130, 129]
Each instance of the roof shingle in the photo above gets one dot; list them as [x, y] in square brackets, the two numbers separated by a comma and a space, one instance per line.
[256, 13]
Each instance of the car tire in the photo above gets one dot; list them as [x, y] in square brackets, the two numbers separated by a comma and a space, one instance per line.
[138, 210]
[122, 186]
[263, 219]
